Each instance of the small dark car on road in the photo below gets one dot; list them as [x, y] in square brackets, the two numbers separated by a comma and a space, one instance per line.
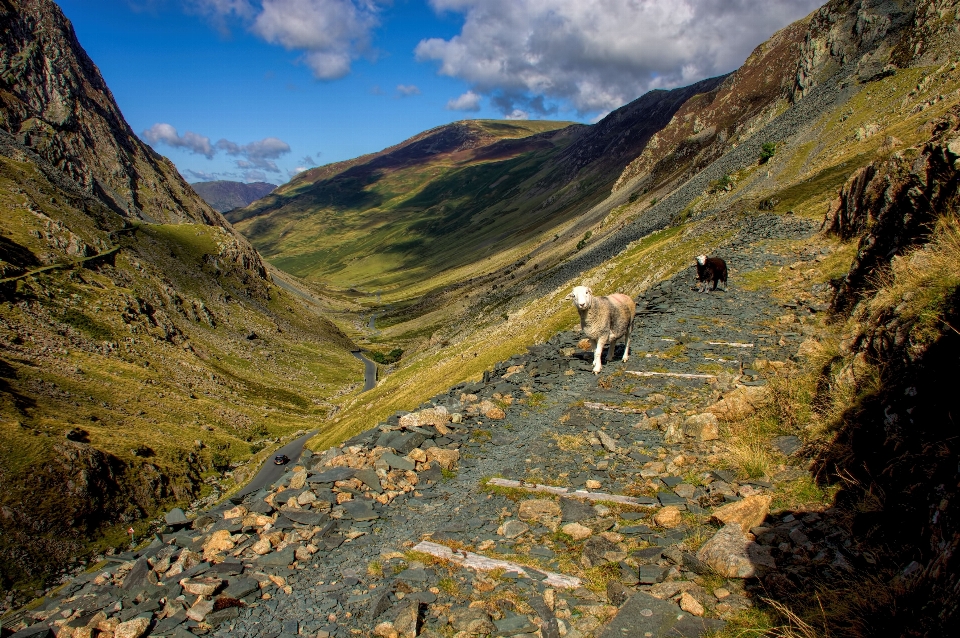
[281, 459]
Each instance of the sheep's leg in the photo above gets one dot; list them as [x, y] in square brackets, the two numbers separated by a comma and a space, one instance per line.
[611, 350]
[626, 350]
[601, 342]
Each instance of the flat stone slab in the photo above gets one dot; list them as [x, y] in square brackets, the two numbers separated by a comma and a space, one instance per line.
[305, 517]
[360, 510]
[563, 491]
[644, 616]
[397, 462]
[175, 516]
[482, 563]
[279, 559]
[332, 475]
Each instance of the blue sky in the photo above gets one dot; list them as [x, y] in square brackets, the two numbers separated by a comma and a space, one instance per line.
[255, 89]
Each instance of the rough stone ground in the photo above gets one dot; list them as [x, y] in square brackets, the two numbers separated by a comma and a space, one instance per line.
[328, 551]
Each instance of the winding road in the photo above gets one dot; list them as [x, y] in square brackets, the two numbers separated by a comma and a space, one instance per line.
[270, 473]
[369, 371]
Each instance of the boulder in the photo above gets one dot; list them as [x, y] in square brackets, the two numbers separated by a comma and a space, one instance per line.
[703, 427]
[732, 555]
[513, 528]
[134, 628]
[200, 609]
[690, 604]
[201, 586]
[539, 509]
[577, 531]
[472, 621]
[747, 513]
[298, 480]
[446, 459]
[740, 403]
[668, 517]
[219, 542]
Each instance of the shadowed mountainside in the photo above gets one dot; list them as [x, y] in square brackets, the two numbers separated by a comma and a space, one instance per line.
[145, 352]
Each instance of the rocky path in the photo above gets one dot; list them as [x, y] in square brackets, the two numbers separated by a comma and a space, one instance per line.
[542, 500]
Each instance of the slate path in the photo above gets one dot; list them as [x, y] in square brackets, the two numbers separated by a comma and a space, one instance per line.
[340, 531]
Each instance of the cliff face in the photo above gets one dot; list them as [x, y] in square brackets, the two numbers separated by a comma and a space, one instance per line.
[55, 102]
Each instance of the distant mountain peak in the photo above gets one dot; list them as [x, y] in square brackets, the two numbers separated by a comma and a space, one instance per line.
[224, 195]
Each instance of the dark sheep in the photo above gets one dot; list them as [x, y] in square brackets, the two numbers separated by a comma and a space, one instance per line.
[711, 269]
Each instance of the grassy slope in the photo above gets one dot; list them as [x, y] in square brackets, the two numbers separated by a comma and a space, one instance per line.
[804, 175]
[146, 355]
[408, 219]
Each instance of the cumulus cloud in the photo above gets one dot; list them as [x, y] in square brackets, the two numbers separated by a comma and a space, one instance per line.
[405, 90]
[595, 55]
[256, 155]
[163, 133]
[253, 156]
[469, 101]
[330, 34]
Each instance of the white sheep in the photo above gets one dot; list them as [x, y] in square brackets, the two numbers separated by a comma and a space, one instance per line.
[604, 320]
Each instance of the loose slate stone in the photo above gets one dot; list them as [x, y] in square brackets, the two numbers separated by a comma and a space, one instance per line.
[397, 462]
[413, 575]
[138, 575]
[241, 587]
[643, 614]
[370, 479]
[306, 517]
[672, 481]
[574, 511]
[332, 475]
[513, 625]
[669, 498]
[175, 517]
[279, 559]
[217, 618]
[260, 506]
[651, 574]
[787, 444]
[360, 510]
[36, 631]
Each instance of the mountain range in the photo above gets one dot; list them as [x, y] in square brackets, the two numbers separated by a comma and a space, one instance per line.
[224, 195]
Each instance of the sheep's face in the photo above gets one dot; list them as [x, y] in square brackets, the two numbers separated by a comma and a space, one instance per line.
[581, 296]
[701, 259]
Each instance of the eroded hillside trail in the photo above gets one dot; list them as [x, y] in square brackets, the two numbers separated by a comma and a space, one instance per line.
[397, 531]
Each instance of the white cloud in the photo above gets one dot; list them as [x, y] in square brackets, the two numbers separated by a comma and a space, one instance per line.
[469, 101]
[517, 114]
[405, 90]
[595, 55]
[164, 133]
[257, 155]
[254, 156]
[330, 34]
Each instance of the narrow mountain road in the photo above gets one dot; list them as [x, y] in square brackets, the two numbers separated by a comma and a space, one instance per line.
[369, 371]
[557, 501]
[271, 472]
